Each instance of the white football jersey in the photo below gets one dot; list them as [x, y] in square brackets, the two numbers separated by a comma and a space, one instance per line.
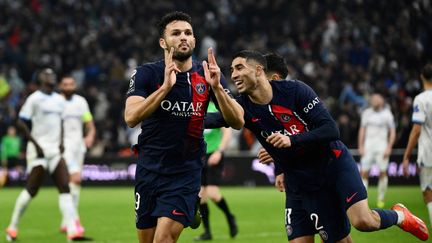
[377, 125]
[45, 112]
[75, 114]
[422, 114]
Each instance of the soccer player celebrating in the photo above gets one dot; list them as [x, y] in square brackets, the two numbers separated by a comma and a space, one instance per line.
[376, 137]
[42, 111]
[421, 132]
[324, 190]
[76, 114]
[170, 98]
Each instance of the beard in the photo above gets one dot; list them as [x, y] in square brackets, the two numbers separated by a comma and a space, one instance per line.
[182, 56]
[68, 93]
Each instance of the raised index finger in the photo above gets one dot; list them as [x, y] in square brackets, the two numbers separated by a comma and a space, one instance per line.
[168, 59]
[211, 57]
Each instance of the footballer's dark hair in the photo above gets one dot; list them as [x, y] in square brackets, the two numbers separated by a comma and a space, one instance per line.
[276, 63]
[252, 55]
[427, 72]
[170, 17]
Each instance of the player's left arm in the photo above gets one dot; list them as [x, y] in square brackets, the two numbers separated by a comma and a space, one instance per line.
[391, 141]
[90, 129]
[231, 111]
[412, 142]
[322, 127]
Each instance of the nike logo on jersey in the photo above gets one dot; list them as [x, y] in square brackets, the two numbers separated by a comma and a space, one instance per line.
[349, 199]
[174, 212]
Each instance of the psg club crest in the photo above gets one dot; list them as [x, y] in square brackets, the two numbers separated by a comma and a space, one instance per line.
[285, 118]
[200, 88]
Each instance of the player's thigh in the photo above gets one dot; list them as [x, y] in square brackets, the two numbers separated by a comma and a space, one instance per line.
[177, 197]
[145, 200]
[425, 178]
[382, 161]
[167, 230]
[214, 193]
[327, 214]
[298, 226]
[74, 160]
[146, 235]
[367, 160]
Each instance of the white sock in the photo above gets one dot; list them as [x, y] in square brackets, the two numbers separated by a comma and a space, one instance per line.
[68, 211]
[429, 206]
[401, 217]
[75, 190]
[365, 182]
[382, 188]
[21, 204]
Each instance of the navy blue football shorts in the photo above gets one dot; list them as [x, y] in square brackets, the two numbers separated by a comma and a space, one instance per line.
[323, 211]
[212, 175]
[159, 195]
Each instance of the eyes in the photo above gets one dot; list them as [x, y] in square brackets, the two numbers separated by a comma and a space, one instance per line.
[179, 32]
[238, 67]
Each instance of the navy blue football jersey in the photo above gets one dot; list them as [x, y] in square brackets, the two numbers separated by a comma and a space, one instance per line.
[171, 140]
[295, 110]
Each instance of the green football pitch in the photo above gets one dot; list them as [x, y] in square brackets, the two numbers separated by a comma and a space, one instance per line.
[108, 216]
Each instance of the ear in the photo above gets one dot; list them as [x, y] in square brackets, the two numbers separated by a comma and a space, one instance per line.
[162, 43]
[275, 76]
[259, 70]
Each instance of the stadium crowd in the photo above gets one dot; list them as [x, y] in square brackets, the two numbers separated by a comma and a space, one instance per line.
[345, 50]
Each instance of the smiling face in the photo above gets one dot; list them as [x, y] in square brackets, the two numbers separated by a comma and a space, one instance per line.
[244, 74]
[179, 35]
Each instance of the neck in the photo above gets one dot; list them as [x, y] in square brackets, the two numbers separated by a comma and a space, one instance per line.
[262, 93]
[427, 85]
[185, 65]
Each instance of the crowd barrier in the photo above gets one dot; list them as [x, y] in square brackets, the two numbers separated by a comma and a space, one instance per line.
[240, 169]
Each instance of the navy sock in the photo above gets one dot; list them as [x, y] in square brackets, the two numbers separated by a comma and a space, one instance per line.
[388, 217]
[204, 210]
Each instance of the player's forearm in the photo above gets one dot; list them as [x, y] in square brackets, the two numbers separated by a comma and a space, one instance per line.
[24, 129]
[412, 142]
[361, 137]
[392, 138]
[135, 112]
[231, 111]
[325, 132]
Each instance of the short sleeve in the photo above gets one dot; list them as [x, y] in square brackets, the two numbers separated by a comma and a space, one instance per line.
[363, 120]
[87, 115]
[27, 110]
[419, 114]
[140, 81]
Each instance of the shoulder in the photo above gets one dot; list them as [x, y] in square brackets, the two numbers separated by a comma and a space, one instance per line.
[150, 69]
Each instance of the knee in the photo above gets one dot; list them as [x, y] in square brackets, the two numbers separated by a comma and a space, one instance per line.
[63, 188]
[75, 180]
[165, 238]
[32, 190]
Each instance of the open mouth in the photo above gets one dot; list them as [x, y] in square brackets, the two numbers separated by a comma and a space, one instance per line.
[238, 82]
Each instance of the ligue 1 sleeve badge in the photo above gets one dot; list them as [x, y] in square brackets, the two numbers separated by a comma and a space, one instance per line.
[200, 88]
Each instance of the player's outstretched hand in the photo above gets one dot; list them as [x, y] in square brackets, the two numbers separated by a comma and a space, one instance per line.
[171, 69]
[279, 140]
[212, 71]
[279, 182]
[264, 157]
